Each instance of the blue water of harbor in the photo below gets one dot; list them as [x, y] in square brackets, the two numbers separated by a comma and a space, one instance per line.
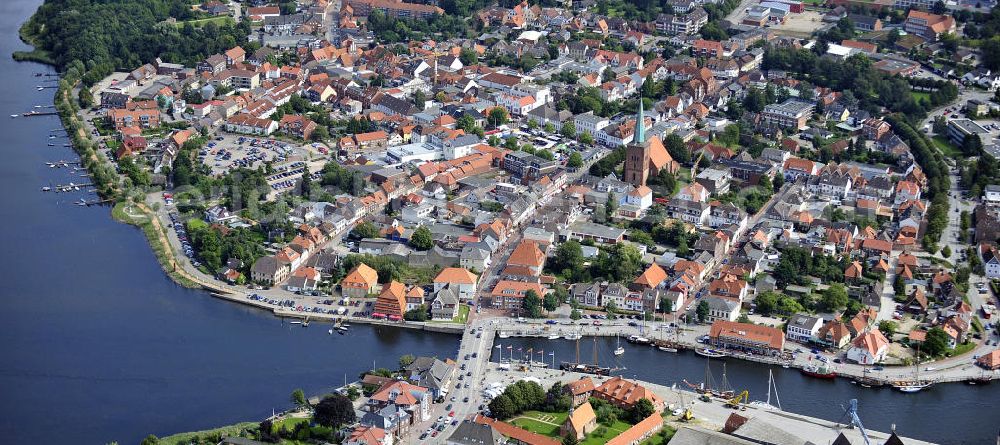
[98, 345]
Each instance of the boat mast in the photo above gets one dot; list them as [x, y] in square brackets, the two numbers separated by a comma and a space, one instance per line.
[595, 351]
[771, 383]
[578, 351]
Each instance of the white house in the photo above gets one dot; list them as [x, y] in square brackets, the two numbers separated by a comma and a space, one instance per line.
[460, 280]
[722, 309]
[803, 328]
[869, 348]
[641, 197]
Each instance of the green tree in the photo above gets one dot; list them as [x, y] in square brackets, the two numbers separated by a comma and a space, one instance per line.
[677, 148]
[150, 440]
[575, 160]
[551, 301]
[586, 138]
[365, 229]
[416, 314]
[422, 238]
[497, 117]
[946, 252]
[549, 128]
[406, 360]
[501, 407]
[575, 314]
[835, 297]
[419, 99]
[334, 410]
[532, 304]
[85, 98]
[702, 311]
[641, 410]
[936, 342]
[298, 398]
[888, 328]
[570, 439]
[898, 285]
[568, 129]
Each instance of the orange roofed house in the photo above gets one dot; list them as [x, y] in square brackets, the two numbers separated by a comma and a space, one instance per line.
[139, 117]
[624, 393]
[391, 303]
[580, 422]
[359, 282]
[747, 337]
[415, 400]
[459, 280]
[509, 294]
[527, 254]
[927, 25]
[579, 390]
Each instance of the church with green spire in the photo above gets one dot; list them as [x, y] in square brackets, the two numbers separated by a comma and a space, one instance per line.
[645, 157]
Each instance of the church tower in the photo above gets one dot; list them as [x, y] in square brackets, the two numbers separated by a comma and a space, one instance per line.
[637, 153]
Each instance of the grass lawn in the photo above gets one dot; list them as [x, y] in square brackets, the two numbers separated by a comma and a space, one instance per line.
[220, 20]
[537, 427]
[658, 438]
[814, 2]
[946, 147]
[231, 430]
[546, 424]
[962, 348]
[196, 223]
[609, 433]
[917, 95]
[463, 314]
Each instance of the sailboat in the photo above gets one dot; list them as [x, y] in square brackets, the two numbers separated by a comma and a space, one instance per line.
[667, 345]
[579, 366]
[770, 385]
[619, 350]
[916, 385]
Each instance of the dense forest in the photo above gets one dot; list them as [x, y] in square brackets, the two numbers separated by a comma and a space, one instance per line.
[123, 34]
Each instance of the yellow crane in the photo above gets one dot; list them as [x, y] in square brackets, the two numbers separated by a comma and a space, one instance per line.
[740, 398]
[686, 415]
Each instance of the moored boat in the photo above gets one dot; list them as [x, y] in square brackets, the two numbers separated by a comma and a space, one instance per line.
[819, 372]
[554, 337]
[911, 387]
[708, 352]
[667, 348]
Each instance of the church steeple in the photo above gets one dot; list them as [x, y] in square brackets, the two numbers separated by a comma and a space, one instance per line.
[640, 124]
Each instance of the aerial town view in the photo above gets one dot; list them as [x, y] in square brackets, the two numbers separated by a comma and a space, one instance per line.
[476, 222]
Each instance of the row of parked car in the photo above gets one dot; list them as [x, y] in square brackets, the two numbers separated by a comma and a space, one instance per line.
[182, 236]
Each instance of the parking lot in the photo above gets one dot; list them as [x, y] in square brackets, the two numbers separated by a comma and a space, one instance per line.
[228, 152]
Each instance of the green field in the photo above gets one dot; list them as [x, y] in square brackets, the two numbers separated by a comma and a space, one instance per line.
[546, 424]
[946, 147]
[220, 20]
[609, 433]
[917, 95]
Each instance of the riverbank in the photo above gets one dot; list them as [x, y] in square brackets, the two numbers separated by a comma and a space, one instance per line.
[123, 212]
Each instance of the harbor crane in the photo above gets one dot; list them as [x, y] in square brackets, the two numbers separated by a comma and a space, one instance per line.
[740, 398]
[851, 412]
